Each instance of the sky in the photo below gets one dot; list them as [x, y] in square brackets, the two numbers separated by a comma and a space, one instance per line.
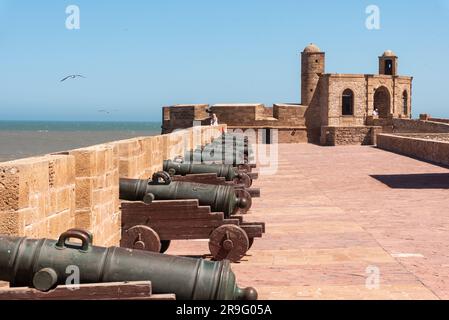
[138, 56]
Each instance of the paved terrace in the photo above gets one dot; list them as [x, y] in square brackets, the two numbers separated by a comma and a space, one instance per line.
[333, 212]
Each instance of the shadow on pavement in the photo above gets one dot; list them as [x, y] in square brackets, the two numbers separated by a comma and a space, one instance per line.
[415, 181]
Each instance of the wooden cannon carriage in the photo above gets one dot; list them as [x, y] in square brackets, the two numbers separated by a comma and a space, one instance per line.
[139, 290]
[152, 226]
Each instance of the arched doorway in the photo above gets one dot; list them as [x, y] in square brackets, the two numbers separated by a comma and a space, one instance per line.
[382, 102]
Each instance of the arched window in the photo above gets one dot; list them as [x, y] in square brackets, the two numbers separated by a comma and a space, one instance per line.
[405, 101]
[348, 103]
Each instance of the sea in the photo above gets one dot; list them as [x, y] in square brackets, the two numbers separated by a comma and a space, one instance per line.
[22, 139]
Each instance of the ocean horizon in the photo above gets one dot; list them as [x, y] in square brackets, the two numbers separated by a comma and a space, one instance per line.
[22, 139]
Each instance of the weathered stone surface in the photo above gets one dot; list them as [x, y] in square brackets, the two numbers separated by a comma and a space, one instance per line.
[338, 136]
[418, 126]
[429, 147]
[35, 191]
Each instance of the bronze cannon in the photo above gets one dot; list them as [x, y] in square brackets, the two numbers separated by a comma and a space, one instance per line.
[229, 148]
[221, 198]
[43, 264]
[216, 153]
[229, 172]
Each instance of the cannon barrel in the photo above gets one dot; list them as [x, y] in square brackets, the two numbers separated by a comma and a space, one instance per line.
[44, 264]
[217, 153]
[229, 172]
[234, 145]
[233, 149]
[221, 198]
[238, 144]
[238, 140]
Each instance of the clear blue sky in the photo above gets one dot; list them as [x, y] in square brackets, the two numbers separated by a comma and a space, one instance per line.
[140, 55]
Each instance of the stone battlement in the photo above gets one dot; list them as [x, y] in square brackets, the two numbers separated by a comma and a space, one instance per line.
[288, 119]
[47, 195]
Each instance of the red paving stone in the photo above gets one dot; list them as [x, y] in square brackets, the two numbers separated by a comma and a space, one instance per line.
[333, 212]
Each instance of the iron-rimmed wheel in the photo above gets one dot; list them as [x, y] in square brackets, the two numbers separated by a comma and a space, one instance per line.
[141, 238]
[228, 242]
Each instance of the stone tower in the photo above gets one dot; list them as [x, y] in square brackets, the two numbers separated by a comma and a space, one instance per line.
[388, 63]
[312, 65]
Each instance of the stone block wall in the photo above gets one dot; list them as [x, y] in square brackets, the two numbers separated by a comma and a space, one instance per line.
[338, 83]
[177, 142]
[42, 197]
[96, 190]
[182, 116]
[419, 126]
[292, 136]
[140, 157]
[424, 149]
[239, 114]
[37, 196]
[337, 136]
[439, 120]
[290, 114]
[284, 117]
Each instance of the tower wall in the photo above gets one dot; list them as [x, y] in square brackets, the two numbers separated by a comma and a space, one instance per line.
[383, 61]
[312, 65]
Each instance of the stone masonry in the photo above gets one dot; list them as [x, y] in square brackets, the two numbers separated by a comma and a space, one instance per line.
[425, 147]
[37, 196]
[343, 102]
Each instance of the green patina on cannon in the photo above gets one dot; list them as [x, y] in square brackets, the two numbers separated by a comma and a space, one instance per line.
[232, 149]
[216, 154]
[233, 142]
[240, 142]
[43, 264]
[221, 198]
[229, 172]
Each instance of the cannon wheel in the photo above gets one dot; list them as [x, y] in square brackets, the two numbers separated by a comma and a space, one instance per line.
[165, 244]
[228, 242]
[142, 238]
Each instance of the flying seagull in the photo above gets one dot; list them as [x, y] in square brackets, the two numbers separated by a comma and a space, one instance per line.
[107, 111]
[73, 76]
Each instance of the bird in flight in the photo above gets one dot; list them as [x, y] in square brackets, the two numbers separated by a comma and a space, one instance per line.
[107, 111]
[73, 76]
